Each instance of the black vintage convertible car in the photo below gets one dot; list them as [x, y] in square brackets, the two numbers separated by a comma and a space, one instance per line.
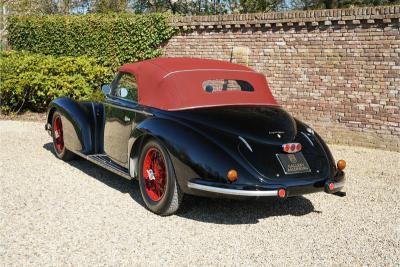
[194, 126]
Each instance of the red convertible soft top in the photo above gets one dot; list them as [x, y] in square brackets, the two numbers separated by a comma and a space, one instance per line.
[178, 83]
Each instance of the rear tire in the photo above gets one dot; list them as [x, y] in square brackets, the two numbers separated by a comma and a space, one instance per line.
[158, 186]
[58, 138]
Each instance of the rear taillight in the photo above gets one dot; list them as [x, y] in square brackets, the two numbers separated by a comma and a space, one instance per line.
[341, 164]
[331, 186]
[291, 147]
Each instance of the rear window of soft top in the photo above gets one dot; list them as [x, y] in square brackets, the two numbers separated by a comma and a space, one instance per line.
[212, 86]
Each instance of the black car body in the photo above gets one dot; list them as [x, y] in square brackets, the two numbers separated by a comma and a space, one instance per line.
[231, 146]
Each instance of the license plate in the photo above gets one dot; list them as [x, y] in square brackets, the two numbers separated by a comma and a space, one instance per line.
[293, 163]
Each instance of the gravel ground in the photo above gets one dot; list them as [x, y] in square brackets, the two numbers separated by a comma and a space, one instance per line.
[76, 214]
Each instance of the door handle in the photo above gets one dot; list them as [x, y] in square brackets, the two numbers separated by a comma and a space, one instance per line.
[126, 118]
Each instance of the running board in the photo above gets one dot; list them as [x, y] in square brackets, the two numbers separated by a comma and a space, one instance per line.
[107, 163]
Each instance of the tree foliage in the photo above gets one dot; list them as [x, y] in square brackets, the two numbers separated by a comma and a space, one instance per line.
[189, 7]
[250, 6]
[202, 7]
[329, 4]
[106, 6]
[43, 7]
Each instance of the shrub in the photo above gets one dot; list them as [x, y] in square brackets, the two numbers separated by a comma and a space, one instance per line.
[31, 81]
[111, 39]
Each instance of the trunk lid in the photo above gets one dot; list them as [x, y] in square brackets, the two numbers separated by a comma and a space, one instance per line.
[267, 125]
[257, 134]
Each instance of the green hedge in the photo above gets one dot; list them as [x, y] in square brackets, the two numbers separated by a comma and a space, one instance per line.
[111, 39]
[31, 81]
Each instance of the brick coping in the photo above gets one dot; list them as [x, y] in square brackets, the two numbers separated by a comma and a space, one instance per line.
[385, 14]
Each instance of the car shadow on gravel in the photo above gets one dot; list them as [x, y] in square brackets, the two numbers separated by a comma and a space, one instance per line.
[231, 211]
[106, 177]
[209, 210]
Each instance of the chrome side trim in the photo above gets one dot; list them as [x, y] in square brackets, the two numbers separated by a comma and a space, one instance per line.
[129, 109]
[221, 105]
[308, 138]
[96, 159]
[233, 192]
[245, 142]
[179, 71]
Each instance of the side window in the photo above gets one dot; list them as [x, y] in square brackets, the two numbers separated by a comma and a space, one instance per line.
[125, 87]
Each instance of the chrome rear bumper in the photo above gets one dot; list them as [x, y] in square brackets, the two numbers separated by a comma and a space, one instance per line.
[217, 190]
[233, 192]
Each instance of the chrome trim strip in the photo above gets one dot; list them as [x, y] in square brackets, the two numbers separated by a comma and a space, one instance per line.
[245, 142]
[308, 138]
[224, 105]
[128, 108]
[179, 71]
[102, 164]
[233, 192]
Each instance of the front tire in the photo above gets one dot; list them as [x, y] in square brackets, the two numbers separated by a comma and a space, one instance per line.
[58, 139]
[158, 186]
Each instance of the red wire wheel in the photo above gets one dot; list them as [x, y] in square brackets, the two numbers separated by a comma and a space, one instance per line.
[58, 134]
[157, 180]
[155, 174]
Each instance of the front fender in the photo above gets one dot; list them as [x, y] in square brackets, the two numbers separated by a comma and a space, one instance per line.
[194, 155]
[76, 124]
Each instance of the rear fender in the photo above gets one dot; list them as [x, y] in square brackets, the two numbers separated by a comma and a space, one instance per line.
[77, 126]
[194, 156]
[321, 146]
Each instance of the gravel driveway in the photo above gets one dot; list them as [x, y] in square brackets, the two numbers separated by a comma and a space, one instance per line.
[76, 214]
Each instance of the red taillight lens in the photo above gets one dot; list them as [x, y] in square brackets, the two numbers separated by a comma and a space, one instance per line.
[298, 147]
[281, 193]
[331, 186]
[286, 148]
[291, 147]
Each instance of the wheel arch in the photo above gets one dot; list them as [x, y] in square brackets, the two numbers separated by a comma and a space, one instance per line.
[50, 113]
[134, 152]
[76, 124]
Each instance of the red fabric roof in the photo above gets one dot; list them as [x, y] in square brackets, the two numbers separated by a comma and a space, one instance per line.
[176, 83]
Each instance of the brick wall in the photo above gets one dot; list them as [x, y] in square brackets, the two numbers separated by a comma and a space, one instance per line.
[337, 70]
